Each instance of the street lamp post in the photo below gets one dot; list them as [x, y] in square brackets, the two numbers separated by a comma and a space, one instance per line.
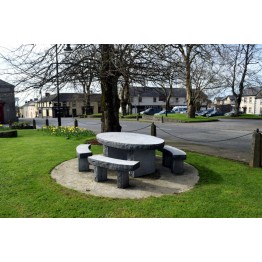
[57, 86]
[67, 49]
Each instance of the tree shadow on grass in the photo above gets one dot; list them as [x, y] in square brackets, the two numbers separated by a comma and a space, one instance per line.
[208, 176]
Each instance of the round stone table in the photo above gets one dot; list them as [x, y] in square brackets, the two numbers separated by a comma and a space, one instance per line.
[132, 146]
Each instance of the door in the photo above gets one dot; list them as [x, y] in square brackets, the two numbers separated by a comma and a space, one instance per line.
[1, 113]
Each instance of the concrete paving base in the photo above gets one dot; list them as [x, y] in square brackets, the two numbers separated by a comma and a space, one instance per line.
[162, 182]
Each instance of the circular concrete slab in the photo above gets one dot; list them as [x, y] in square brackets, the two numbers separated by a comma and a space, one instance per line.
[163, 182]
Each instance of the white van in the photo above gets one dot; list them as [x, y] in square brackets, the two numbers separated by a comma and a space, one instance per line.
[179, 109]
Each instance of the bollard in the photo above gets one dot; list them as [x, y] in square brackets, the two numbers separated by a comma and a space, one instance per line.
[34, 124]
[256, 148]
[162, 119]
[46, 122]
[137, 117]
[76, 123]
[153, 129]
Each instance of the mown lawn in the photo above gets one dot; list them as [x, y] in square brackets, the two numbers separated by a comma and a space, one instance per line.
[225, 189]
[184, 118]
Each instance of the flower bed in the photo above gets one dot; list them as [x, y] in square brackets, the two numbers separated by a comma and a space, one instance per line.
[68, 132]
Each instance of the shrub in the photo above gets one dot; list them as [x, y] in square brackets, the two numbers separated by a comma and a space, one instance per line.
[20, 125]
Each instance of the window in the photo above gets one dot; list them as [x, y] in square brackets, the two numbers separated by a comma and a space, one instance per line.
[177, 99]
[154, 99]
[64, 104]
[250, 110]
[250, 99]
[245, 99]
[139, 99]
[74, 104]
[162, 98]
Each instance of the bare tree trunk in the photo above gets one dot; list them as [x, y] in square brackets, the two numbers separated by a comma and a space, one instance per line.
[110, 100]
[247, 57]
[191, 108]
[125, 96]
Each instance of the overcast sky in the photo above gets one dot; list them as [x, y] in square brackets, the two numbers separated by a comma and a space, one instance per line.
[136, 21]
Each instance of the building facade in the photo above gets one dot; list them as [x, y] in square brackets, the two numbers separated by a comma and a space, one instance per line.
[251, 101]
[70, 105]
[29, 109]
[7, 103]
[146, 97]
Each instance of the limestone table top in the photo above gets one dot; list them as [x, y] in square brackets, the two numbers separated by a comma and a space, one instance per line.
[130, 141]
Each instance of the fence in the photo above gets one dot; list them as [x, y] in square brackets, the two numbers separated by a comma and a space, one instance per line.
[256, 146]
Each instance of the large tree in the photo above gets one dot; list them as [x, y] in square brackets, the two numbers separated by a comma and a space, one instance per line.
[241, 69]
[191, 55]
[165, 69]
[109, 79]
[35, 68]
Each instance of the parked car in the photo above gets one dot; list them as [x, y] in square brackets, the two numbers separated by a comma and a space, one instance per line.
[150, 111]
[205, 112]
[215, 113]
[233, 113]
[179, 109]
[184, 111]
[199, 112]
[163, 112]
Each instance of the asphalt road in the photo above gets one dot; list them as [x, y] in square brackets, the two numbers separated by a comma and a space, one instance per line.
[228, 138]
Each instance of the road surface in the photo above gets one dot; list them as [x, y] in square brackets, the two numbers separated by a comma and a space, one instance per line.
[228, 138]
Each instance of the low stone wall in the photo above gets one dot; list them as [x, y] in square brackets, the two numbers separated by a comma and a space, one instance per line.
[8, 133]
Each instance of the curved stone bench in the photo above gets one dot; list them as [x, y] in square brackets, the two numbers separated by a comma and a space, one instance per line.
[174, 159]
[83, 152]
[103, 163]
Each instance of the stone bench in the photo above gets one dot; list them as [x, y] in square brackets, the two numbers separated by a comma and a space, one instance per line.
[174, 159]
[83, 152]
[103, 163]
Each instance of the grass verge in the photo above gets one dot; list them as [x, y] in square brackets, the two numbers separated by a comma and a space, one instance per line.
[185, 119]
[225, 189]
[244, 116]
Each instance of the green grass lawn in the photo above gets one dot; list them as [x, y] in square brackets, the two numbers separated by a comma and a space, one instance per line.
[244, 116]
[225, 189]
[184, 118]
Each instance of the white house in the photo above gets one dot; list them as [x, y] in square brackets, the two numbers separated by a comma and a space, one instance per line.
[29, 109]
[251, 101]
[258, 105]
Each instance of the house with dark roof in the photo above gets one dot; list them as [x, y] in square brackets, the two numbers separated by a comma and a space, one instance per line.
[218, 100]
[70, 105]
[145, 97]
[227, 100]
[251, 102]
[7, 103]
